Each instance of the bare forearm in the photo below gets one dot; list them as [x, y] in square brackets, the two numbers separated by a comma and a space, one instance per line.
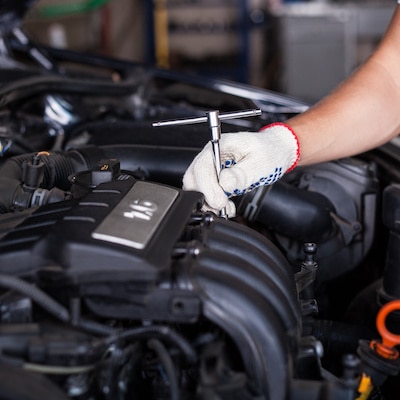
[362, 113]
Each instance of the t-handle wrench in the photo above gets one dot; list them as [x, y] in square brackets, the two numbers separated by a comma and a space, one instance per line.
[214, 119]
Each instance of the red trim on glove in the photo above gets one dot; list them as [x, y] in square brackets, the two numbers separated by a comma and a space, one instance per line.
[295, 162]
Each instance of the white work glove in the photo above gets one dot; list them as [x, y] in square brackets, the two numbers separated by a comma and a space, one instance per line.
[249, 160]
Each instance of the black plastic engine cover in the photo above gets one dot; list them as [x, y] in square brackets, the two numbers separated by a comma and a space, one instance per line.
[121, 231]
[135, 250]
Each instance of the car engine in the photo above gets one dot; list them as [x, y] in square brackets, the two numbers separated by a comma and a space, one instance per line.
[116, 285]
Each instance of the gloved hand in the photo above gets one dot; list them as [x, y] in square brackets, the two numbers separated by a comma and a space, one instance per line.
[249, 160]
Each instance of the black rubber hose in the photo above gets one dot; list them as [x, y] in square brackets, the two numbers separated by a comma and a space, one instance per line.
[8, 188]
[168, 365]
[60, 312]
[57, 167]
[95, 327]
[279, 207]
[36, 294]
[160, 164]
[148, 332]
[337, 337]
[23, 89]
[52, 306]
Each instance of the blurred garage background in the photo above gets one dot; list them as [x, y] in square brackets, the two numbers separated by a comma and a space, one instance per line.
[300, 48]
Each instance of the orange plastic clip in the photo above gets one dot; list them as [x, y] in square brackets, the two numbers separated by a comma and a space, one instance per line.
[386, 348]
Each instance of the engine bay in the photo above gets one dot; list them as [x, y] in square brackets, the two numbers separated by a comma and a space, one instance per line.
[114, 282]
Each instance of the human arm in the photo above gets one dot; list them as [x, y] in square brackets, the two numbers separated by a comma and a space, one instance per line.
[362, 113]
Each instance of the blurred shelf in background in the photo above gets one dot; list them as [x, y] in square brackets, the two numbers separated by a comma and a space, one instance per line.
[206, 37]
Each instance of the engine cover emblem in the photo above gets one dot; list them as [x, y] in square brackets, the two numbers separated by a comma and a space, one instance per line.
[136, 218]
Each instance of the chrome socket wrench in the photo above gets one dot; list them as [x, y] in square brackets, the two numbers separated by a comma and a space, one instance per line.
[213, 118]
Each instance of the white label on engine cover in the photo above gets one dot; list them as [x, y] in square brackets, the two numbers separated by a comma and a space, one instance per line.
[135, 219]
